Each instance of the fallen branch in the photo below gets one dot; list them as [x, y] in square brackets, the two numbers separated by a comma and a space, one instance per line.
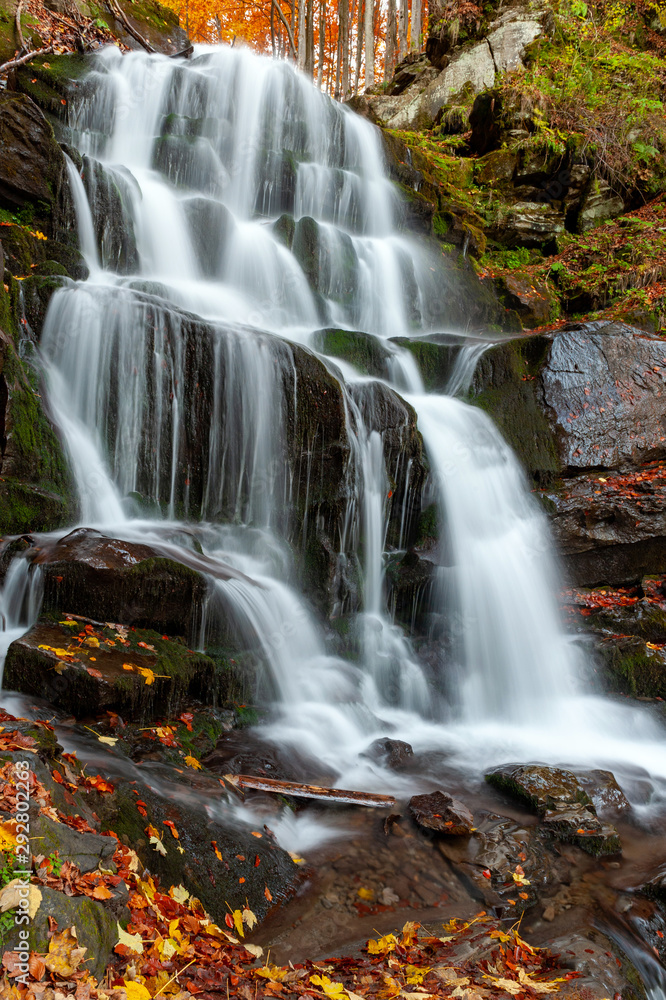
[312, 791]
[19, 32]
[119, 14]
[13, 63]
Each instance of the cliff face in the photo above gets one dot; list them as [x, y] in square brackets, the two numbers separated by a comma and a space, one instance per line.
[531, 128]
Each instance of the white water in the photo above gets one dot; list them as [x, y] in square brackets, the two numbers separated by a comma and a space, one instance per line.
[202, 158]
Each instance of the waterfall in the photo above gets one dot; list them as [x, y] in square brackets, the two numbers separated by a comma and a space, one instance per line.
[228, 212]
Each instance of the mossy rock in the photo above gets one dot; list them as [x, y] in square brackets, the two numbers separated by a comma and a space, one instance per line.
[365, 352]
[96, 676]
[628, 666]
[506, 385]
[435, 358]
[26, 508]
[51, 80]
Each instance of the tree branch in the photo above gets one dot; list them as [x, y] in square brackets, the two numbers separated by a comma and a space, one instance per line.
[119, 15]
[19, 32]
[13, 63]
[276, 7]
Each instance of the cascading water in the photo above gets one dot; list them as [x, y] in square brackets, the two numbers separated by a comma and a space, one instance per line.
[228, 211]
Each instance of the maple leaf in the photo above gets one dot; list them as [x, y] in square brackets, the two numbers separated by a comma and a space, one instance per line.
[7, 836]
[330, 988]
[131, 941]
[193, 762]
[539, 987]
[508, 985]
[64, 955]
[383, 945]
[101, 892]
[249, 918]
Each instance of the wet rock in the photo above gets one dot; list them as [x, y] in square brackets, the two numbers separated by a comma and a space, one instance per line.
[101, 672]
[611, 529]
[108, 579]
[532, 300]
[602, 787]
[441, 812]
[395, 754]
[32, 165]
[367, 353]
[500, 847]
[210, 225]
[36, 490]
[245, 752]
[110, 194]
[527, 224]
[565, 808]
[628, 665]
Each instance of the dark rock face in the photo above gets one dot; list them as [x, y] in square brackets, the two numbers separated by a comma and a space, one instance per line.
[391, 753]
[244, 752]
[533, 301]
[439, 811]
[564, 807]
[31, 162]
[605, 386]
[108, 579]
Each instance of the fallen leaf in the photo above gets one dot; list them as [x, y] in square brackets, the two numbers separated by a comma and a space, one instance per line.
[193, 762]
[15, 892]
[64, 955]
[131, 941]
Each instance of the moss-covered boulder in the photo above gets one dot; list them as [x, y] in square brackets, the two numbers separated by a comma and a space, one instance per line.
[85, 667]
[367, 353]
[564, 807]
[111, 580]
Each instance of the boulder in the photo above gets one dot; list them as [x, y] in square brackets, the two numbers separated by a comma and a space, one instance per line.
[85, 667]
[108, 579]
[600, 202]
[395, 754]
[367, 353]
[32, 165]
[531, 300]
[440, 812]
[527, 224]
[564, 807]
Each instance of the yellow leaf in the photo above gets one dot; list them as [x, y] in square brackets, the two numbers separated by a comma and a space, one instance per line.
[254, 949]
[7, 836]
[271, 972]
[107, 740]
[132, 941]
[330, 988]
[64, 954]
[238, 922]
[249, 918]
[366, 894]
[409, 932]
[382, 945]
[147, 674]
[158, 845]
[136, 991]
[179, 893]
[415, 974]
[168, 949]
[539, 987]
[193, 762]
[508, 985]
[91, 641]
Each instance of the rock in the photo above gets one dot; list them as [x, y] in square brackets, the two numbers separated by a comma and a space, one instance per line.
[108, 579]
[245, 752]
[611, 529]
[604, 385]
[532, 300]
[498, 847]
[602, 787]
[210, 224]
[512, 32]
[527, 224]
[110, 194]
[626, 664]
[96, 928]
[599, 203]
[32, 165]
[395, 754]
[367, 353]
[564, 807]
[36, 491]
[87, 851]
[94, 676]
[439, 811]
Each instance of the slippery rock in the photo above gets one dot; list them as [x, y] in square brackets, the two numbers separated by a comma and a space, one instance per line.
[565, 809]
[108, 579]
[395, 754]
[32, 165]
[439, 811]
[85, 667]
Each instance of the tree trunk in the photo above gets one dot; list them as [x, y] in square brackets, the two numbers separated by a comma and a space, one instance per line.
[309, 38]
[344, 43]
[416, 26]
[389, 56]
[338, 66]
[359, 44]
[369, 43]
[322, 42]
[301, 34]
[402, 31]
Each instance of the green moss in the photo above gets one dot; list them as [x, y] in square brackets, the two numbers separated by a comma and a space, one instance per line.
[435, 361]
[365, 352]
[428, 527]
[631, 668]
[506, 387]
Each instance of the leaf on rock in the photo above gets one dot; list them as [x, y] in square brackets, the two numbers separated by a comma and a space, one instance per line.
[131, 941]
[193, 762]
[249, 918]
[14, 893]
[64, 955]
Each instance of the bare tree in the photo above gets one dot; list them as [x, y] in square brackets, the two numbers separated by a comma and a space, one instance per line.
[322, 42]
[301, 34]
[389, 55]
[344, 46]
[359, 43]
[416, 26]
[369, 43]
[402, 29]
